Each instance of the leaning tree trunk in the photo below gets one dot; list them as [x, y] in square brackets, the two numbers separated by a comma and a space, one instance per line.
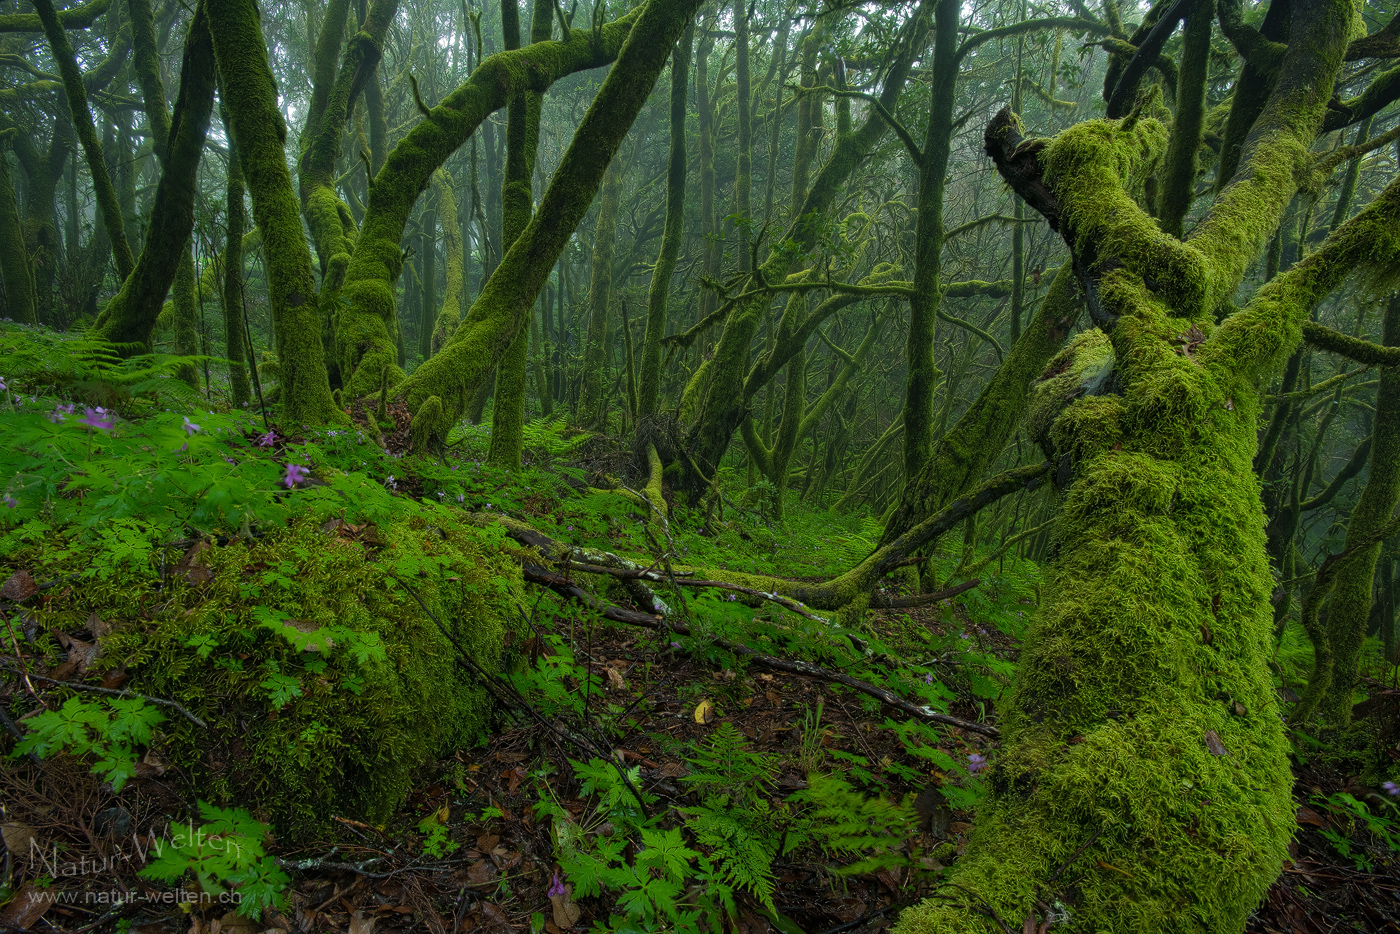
[439, 389]
[1144, 780]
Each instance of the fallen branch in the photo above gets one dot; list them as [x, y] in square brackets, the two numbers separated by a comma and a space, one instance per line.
[566, 588]
[922, 599]
[656, 577]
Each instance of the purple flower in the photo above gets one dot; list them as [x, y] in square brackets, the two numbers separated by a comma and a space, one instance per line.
[3, 387]
[295, 474]
[928, 678]
[393, 484]
[96, 418]
[190, 427]
[12, 503]
[675, 645]
[461, 497]
[1389, 788]
[556, 887]
[267, 440]
[976, 762]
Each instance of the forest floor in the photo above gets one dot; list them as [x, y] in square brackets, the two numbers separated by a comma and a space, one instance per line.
[477, 845]
[495, 874]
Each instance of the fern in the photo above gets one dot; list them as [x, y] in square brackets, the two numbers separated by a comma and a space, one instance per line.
[844, 822]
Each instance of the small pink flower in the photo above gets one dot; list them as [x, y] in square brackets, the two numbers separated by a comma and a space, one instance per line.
[96, 418]
[976, 762]
[267, 440]
[295, 474]
[1389, 788]
[556, 887]
[190, 427]
[12, 503]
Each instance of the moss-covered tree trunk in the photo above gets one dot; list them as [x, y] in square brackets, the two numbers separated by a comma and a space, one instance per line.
[235, 336]
[130, 316]
[14, 256]
[595, 341]
[743, 163]
[364, 327]
[1335, 673]
[517, 204]
[928, 242]
[260, 134]
[109, 208]
[649, 392]
[438, 391]
[1143, 780]
[451, 311]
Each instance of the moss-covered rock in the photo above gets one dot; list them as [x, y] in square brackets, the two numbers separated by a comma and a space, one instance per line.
[324, 684]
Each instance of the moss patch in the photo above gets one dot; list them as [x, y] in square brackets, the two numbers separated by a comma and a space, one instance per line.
[302, 728]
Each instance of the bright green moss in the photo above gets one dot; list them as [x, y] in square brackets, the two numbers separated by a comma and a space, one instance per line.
[348, 737]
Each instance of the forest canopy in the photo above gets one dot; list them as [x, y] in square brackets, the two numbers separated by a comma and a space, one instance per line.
[1019, 374]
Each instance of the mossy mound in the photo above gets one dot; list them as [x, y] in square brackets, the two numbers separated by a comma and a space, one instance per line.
[324, 684]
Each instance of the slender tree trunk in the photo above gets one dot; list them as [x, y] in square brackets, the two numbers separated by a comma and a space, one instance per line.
[517, 201]
[108, 206]
[660, 288]
[235, 336]
[743, 171]
[600, 298]
[14, 256]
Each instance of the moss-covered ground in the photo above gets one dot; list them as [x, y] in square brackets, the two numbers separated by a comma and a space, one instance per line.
[425, 765]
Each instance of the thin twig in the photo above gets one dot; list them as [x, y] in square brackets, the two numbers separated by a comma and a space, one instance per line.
[125, 692]
[538, 575]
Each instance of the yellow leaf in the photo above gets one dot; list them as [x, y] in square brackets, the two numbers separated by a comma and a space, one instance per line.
[705, 712]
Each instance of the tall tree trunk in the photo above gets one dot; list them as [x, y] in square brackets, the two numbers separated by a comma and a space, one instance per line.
[600, 298]
[108, 206]
[743, 169]
[14, 256]
[660, 288]
[517, 204]
[260, 134]
[928, 242]
[235, 335]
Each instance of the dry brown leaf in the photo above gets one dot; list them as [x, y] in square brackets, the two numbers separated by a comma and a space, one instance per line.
[615, 682]
[1307, 815]
[481, 872]
[495, 918]
[487, 842]
[98, 626]
[26, 908]
[566, 913]
[669, 770]
[1213, 743]
[20, 586]
[362, 924]
[18, 836]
